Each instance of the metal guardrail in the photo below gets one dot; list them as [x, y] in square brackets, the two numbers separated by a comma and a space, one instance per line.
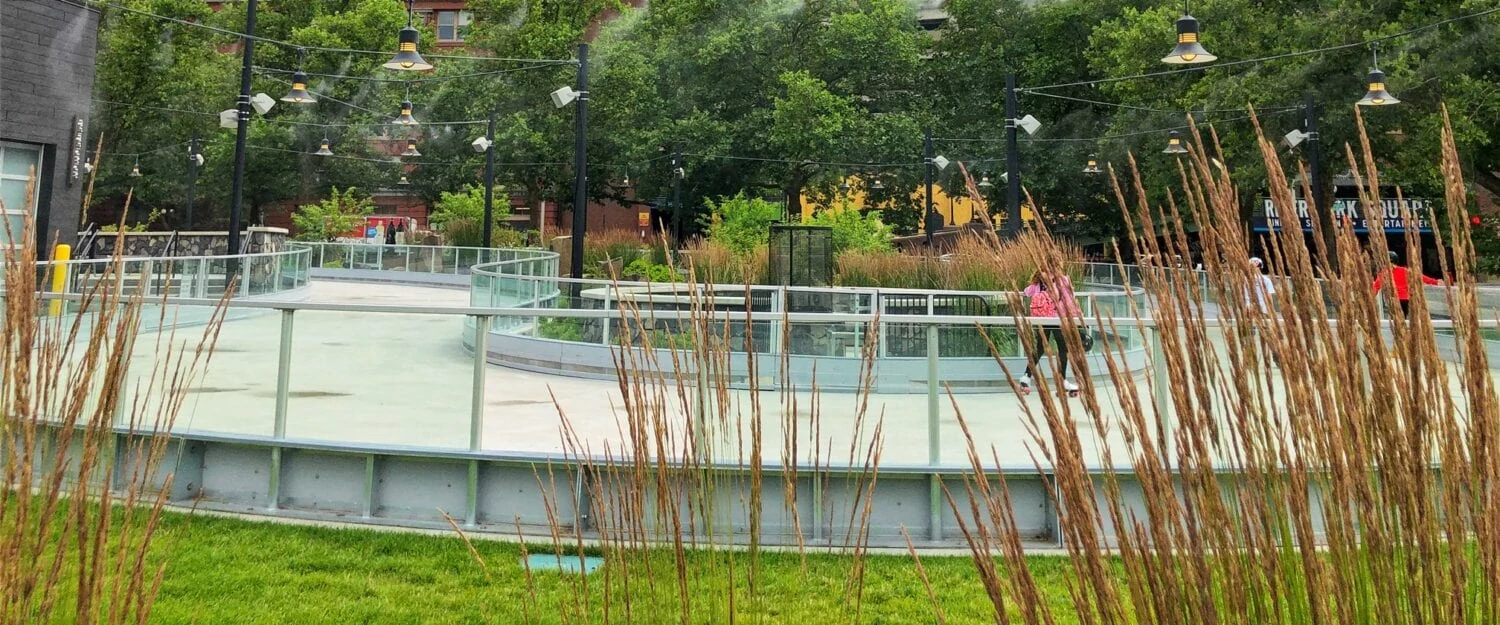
[200, 277]
[416, 258]
[405, 484]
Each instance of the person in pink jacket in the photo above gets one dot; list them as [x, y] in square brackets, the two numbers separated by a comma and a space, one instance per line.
[1050, 296]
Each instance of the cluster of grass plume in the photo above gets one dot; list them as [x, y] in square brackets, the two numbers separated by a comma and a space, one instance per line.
[79, 504]
[715, 263]
[616, 246]
[978, 262]
[1310, 463]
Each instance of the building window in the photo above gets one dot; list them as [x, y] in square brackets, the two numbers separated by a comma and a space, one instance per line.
[17, 161]
[452, 25]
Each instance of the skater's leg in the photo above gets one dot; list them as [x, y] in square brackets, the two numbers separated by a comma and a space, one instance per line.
[1039, 349]
[1062, 352]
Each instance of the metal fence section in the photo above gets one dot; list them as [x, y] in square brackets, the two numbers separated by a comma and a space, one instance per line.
[194, 277]
[442, 460]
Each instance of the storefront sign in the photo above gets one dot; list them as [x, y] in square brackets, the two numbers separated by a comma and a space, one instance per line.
[75, 152]
[1389, 217]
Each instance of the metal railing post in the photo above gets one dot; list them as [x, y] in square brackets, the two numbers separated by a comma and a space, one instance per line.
[606, 320]
[244, 264]
[476, 415]
[146, 277]
[476, 406]
[1160, 395]
[934, 444]
[201, 289]
[283, 391]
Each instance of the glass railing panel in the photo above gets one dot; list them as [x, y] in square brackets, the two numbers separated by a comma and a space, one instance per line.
[352, 379]
[237, 390]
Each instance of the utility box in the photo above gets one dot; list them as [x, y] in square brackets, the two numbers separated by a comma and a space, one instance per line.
[801, 255]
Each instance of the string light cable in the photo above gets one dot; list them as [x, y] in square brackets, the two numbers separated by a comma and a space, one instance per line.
[98, 4]
[462, 122]
[1275, 57]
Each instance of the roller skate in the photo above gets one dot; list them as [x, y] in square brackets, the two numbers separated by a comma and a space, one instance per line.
[1071, 388]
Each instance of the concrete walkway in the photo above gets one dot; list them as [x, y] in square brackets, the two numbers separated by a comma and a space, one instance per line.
[399, 379]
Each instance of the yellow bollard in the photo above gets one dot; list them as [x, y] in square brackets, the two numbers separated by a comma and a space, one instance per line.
[60, 257]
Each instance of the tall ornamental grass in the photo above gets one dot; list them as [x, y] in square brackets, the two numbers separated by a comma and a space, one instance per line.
[1313, 462]
[83, 444]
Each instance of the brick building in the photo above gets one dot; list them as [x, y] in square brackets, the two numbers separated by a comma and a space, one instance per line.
[46, 80]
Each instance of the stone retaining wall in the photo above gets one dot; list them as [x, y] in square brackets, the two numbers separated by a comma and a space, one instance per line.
[261, 240]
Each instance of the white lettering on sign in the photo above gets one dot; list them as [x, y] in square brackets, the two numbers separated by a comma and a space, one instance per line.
[75, 152]
[1392, 217]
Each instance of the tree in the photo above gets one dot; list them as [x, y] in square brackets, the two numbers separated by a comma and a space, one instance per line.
[761, 96]
[1456, 63]
[330, 218]
[854, 230]
[460, 217]
[740, 223]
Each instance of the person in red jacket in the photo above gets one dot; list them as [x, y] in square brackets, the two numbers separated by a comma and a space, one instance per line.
[1397, 276]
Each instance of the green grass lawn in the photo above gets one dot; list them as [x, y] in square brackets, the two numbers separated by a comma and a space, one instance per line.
[223, 571]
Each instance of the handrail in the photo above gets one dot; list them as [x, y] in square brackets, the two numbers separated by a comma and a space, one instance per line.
[87, 243]
[732, 315]
[179, 259]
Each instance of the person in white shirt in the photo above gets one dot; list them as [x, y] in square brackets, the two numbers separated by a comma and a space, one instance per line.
[1261, 289]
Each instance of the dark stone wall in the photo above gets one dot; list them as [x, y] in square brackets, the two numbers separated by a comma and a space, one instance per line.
[154, 244]
[46, 80]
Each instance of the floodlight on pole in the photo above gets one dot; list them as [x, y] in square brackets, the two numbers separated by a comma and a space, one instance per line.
[941, 162]
[262, 103]
[565, 96]
[1029, 124]
[1295, 137]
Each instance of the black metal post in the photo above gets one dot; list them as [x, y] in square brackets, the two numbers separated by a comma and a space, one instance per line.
[677, 212]
[927, 173]
[489, 181]
[192, 183]
[1315, 172]
[237, 189]
[580, 164]
[1012, 163]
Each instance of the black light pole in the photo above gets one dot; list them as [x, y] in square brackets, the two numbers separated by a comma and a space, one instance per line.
[237, 189]
[580, 164]
[927, 166]
[192, 182]
[677, 212]
[1315, 172]
[1012, 163]
[489, 180]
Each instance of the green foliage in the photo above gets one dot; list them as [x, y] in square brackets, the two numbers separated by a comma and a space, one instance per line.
[854, 230]
[1486, 238]
[794, 83]
[341, 212]
[741, 223]
[649, 271]
[560, 328]
[140, 226]
[460, 217]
